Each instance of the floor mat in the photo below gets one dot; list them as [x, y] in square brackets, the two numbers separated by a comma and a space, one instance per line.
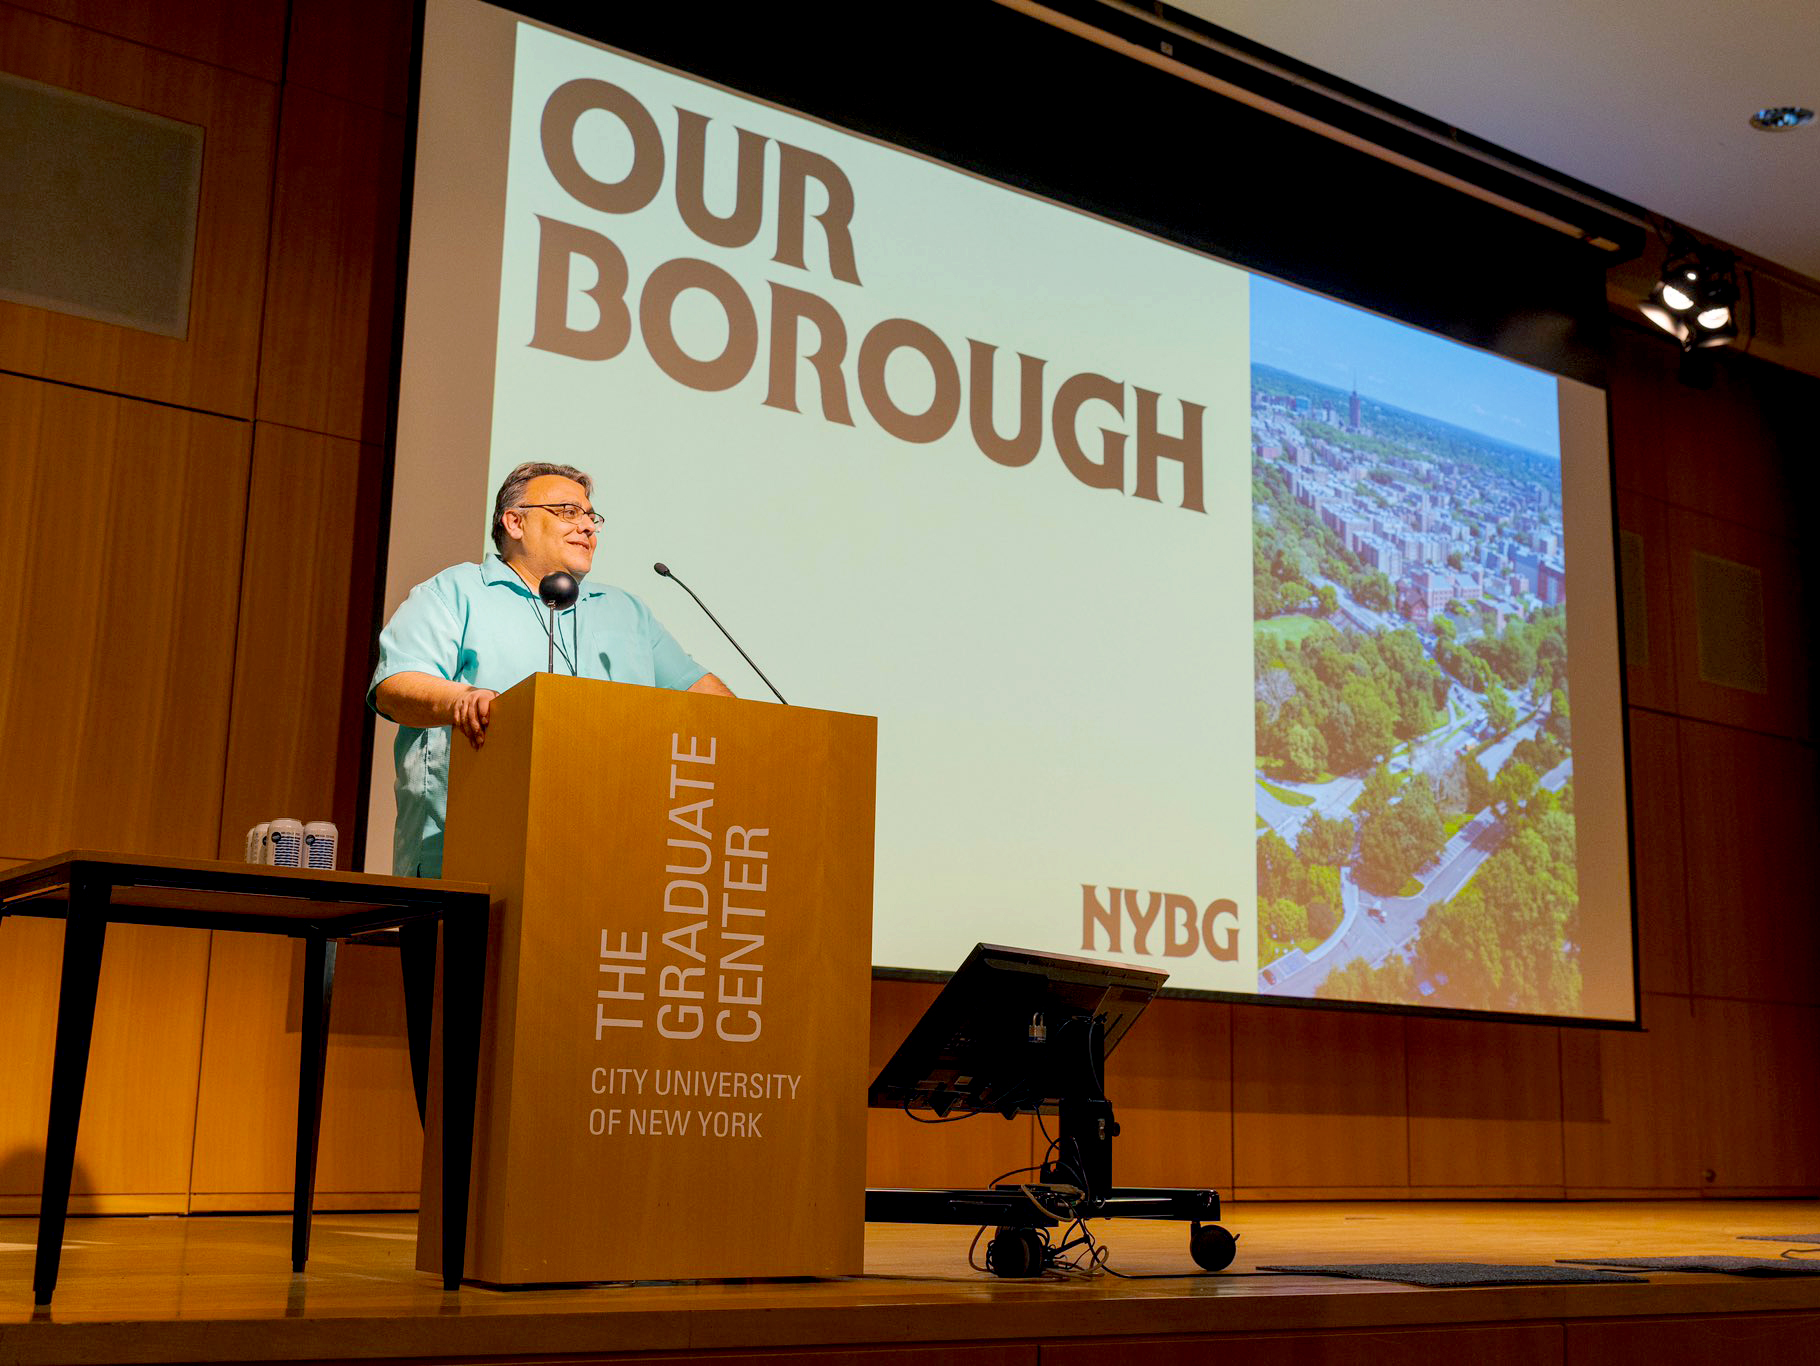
[1731, 1266]
[1459, 1273]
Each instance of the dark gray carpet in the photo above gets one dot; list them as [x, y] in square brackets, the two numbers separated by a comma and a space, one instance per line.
[1459, 1273]
[1781, 1237]
[1731, 1266]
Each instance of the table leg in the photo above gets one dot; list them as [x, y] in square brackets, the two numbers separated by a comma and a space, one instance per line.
[318, 993]
[84, 930]
[464, 957]
[417, 961]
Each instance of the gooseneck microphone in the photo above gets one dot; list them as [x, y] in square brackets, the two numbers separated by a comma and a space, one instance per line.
[664, 569]
[558, 592]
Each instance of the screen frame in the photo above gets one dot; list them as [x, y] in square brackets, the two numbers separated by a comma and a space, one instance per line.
[1548, 312]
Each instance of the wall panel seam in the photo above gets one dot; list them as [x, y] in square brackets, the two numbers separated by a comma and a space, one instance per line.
[1727, 725]
[271, 228]
[128, 397]
[312, 431]
[113, 37]
[341, 96]
[1409, 1128]
[1561, 1086]
[252, 454]
[1788, 540]
[1810, 1004]
[284, 59]
[1687, 870]
[202, 1034]
[1232, 1096]
[227, 749]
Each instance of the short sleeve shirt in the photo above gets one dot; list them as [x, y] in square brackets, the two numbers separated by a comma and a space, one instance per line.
[480, 624]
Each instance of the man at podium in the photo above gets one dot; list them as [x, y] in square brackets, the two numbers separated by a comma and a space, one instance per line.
[474, 630]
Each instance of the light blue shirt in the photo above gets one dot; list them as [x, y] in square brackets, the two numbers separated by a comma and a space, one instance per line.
[479, 624]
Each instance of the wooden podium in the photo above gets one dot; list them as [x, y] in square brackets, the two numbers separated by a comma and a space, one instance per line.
[673, 1053]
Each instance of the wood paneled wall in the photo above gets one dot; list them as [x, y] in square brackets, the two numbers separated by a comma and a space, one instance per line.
[213, 368]
[187, 650]
[200, 664]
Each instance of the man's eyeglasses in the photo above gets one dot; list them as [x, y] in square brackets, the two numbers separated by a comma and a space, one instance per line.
[568, 512]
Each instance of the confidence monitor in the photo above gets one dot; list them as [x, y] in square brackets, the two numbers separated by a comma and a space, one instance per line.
[1015, 1031]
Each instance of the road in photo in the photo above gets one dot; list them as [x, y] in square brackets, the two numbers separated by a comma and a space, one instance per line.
[1414, 784]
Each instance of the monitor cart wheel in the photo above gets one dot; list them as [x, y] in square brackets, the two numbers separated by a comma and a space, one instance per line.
[1211, 1246]
[1017, 1252]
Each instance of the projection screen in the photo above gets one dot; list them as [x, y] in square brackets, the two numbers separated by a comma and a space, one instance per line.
[1211, 624]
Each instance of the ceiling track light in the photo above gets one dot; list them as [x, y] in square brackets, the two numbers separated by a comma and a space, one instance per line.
[1694, 299]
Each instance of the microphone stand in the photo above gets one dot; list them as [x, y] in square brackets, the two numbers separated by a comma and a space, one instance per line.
[557, 591]
[664, 570]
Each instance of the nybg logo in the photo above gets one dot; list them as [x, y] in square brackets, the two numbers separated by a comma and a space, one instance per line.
[1162, 923]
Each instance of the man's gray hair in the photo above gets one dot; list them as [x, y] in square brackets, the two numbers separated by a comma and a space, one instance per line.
[514, 487]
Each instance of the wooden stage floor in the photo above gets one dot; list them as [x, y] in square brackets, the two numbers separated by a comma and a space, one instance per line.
[218, 1288]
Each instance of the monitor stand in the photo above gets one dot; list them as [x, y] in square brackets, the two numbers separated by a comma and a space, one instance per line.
[1074, 1183]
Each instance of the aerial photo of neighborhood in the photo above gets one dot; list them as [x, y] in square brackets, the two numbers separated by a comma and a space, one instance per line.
[1414, 766]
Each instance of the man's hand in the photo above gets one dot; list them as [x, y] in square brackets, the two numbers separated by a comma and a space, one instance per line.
[473, 709]
[419, 700]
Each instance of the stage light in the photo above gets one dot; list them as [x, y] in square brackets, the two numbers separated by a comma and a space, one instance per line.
[1693, 299]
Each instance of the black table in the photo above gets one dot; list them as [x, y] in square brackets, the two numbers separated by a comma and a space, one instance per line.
[88, 891]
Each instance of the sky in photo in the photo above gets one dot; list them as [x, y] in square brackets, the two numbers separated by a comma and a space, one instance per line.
[1332, 343]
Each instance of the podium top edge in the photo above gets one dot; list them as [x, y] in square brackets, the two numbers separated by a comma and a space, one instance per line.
[544, 678]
